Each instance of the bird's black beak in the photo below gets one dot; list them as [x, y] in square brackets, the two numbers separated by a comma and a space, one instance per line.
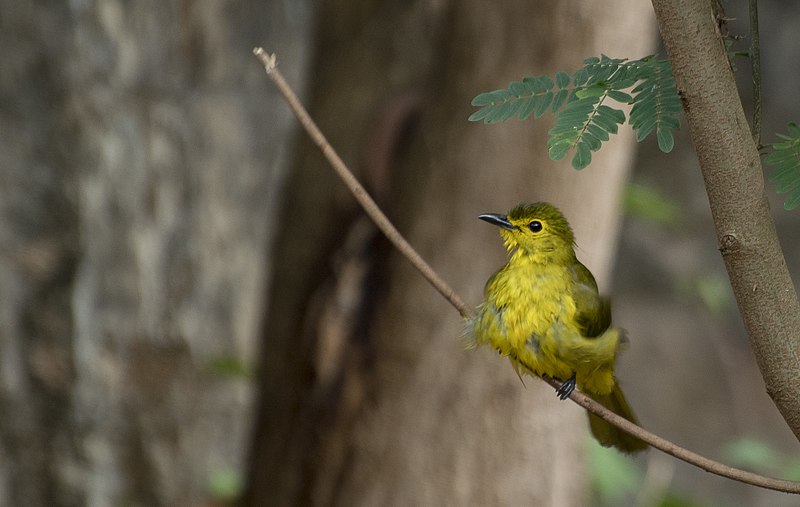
[498, 220]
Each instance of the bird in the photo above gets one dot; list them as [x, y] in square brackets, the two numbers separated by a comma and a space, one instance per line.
[544, 312]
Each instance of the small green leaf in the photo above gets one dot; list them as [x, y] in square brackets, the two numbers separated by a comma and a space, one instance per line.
[591, 141]
[580, 77]
[583, 156]
[782, 153]
[617, 114]
[562, 79]
[644, 128]
[603, 117]
[607, 123]
[513, 107]
[794, 130]
[502, 95]
[542, 104]
[788, 183]
[483, 99]
[479, 114]
[597, 131]
[527, 107]
[562, 130]
[785, 162]
[665, 140]
[781, 172]
[558, 99]
[792, 202]
[671, 122]
[620, 96]
[559, 150]
[500, 113]
[535, 84]
[622, 84]
[670, 106]
[518, 88]
[784, 145]
[595, 90]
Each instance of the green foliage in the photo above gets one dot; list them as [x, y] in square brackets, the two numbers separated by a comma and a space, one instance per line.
[580, 102]
[672, 499]
[715, 293]
[752, 454]
[229, 366]
[791, 471]
[225, 485]
[613, 475]
[713, 290]
[656, 105]
[643, 201]
[734, 53]
[785, 160]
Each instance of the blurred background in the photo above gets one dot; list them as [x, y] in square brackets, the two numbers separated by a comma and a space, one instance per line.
[194, 312]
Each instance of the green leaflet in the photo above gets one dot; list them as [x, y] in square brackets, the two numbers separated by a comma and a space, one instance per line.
[583, 104]
[785, 161]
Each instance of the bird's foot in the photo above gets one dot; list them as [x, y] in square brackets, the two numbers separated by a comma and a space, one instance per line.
[566, 388]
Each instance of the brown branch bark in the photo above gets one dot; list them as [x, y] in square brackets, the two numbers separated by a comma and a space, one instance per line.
[731, 168]
[679, 452]
[358, 191]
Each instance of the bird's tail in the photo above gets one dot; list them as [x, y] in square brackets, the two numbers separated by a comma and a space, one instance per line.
[609, 435]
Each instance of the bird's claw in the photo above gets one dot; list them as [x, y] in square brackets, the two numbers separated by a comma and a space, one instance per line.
[566, 388]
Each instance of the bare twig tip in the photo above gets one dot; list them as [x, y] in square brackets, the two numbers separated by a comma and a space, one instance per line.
[270, 61]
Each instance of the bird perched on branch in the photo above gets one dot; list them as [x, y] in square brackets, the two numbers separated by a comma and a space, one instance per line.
[543, 311]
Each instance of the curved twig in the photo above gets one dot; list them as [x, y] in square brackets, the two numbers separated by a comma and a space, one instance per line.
[677, 451]
[374, 212]
[358, 191]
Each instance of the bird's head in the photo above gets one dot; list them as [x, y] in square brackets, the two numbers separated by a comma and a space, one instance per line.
[537, 229]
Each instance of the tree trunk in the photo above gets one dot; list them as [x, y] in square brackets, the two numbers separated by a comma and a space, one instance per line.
[734, 181]
[380, 404]
[140, 166]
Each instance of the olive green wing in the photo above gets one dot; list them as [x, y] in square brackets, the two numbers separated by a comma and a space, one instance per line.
[593, 311]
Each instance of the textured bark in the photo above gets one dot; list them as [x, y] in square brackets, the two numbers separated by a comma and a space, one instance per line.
[733, 176]
[392, 410]
[139, 151]
[364, 90]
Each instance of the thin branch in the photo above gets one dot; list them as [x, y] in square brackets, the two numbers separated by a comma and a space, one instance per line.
[269, 62]
[755, 65]
[677, 451]
[358, 191]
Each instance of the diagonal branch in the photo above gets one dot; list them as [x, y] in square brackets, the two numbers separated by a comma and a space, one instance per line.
[679, 452]
[358, 191]
[374, 212]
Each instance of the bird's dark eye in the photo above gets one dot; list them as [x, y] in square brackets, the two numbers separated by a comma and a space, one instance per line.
[535, 226]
